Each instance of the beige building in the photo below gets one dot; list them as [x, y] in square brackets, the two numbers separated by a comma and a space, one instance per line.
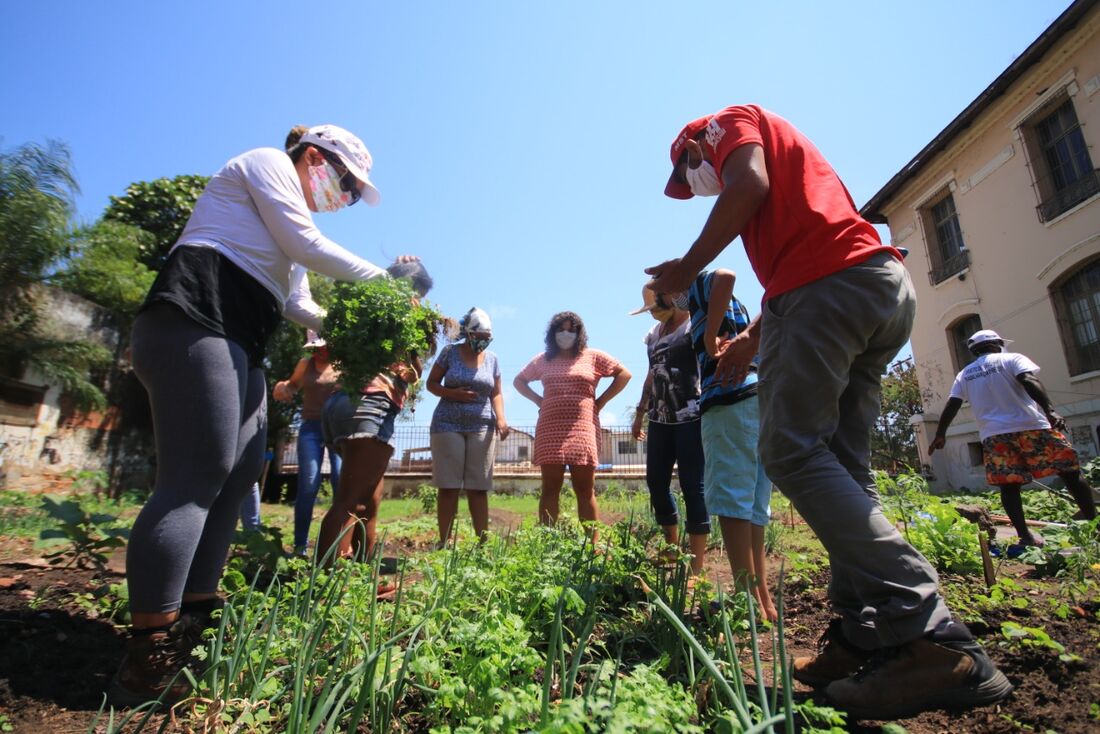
[1001, 217]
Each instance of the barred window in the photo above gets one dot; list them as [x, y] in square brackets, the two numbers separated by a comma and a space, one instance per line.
[1077, 302]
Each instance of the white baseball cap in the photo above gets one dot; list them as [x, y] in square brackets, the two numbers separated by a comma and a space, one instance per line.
[350, 150]
[983, 336]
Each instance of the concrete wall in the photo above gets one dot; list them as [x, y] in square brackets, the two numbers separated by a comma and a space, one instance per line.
[402, 485]
[41, 455]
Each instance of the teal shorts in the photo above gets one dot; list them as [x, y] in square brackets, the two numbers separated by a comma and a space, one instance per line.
[734, 483]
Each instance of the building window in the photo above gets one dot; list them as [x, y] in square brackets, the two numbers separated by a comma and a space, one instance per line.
[19, 402]
[1077, 303]
[628, 447]
[974, 448]
[521, 453]
[946, 249]
[1064, 174]
[957, 336]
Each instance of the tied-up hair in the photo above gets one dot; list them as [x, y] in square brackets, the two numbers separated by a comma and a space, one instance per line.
[552, 348]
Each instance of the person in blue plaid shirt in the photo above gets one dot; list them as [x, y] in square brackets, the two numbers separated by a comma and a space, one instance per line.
[734, 484]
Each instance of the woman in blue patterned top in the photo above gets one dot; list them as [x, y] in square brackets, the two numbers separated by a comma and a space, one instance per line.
[735, 486]
[466, 423]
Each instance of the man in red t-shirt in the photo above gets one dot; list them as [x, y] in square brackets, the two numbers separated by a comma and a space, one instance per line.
[838, 305]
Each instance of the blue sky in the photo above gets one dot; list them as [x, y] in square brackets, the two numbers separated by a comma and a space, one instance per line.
[520, 148]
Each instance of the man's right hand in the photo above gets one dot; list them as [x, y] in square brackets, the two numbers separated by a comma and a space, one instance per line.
[937, 443]
[670, 277]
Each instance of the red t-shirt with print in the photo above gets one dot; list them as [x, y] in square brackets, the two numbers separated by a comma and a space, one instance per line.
[807, 227]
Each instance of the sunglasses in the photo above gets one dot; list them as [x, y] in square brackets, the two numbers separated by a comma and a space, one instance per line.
[348, 182]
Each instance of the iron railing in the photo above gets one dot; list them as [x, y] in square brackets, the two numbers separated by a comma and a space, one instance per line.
[1067, 197]
[951, 266]
[619, 452]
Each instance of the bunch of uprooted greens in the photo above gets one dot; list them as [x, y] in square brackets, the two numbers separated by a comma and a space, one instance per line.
[373, 324]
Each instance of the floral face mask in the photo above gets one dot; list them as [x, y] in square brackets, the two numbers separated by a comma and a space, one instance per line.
[328, 194]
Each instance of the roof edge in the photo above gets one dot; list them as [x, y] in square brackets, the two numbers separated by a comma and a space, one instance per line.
[1064, 23]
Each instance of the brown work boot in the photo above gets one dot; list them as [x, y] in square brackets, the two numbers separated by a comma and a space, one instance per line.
[836, 659]
[201, 617]
[946, 669]
[152, 668]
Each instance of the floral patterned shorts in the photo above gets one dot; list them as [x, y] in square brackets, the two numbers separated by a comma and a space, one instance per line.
[1014, 458]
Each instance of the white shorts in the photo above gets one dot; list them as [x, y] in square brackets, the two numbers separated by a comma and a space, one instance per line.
[464, 460]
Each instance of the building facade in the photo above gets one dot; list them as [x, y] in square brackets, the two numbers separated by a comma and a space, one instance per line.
[1001, 217]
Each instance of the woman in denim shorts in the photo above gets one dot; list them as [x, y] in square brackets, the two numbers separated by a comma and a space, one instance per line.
[360, 430]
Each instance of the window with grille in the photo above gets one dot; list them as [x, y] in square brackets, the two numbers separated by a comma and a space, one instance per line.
[628, 447]
[957, 336]
[1077, 302]
[1063, 168]
[946, 248]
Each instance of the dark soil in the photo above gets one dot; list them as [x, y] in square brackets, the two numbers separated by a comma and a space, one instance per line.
[56, 659]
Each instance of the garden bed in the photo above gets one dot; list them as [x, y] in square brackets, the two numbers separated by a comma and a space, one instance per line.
[57, 650]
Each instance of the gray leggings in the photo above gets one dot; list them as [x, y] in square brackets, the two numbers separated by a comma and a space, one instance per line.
[210, 425]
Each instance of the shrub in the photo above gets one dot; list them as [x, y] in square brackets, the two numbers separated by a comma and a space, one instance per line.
[373, 324]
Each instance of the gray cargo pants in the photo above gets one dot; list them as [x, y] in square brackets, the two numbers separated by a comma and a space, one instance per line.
[823, 350]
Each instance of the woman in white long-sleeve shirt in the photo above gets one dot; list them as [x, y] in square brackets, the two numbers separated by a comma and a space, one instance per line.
[239, 267]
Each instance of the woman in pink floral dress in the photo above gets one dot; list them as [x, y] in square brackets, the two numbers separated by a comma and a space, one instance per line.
[569, 423]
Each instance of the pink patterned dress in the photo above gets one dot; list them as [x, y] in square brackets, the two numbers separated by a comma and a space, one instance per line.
[568, 424]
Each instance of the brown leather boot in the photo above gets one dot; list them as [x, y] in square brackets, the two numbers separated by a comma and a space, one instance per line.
[946, 669]
[836, 659]
[152, 668]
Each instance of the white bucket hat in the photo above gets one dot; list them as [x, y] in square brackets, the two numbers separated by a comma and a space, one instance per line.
[350, 150]
[313, 340]
[476, 320]
[983, 336]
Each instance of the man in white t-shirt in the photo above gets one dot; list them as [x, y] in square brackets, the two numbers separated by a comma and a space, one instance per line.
[1021, 432]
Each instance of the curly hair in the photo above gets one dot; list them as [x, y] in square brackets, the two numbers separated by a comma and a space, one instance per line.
[552, 348]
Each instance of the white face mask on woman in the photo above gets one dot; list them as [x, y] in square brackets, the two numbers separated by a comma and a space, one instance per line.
[565, 339]
[324, 184]
[703, 180]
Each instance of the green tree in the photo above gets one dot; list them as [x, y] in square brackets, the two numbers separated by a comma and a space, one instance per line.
[36, 202]
[162, 208]
[893, 443]
[106, 268]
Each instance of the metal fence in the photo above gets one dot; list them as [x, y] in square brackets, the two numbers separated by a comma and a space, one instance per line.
[619, 452]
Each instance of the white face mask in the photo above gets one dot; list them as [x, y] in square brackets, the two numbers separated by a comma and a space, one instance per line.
[703, 180]
[565, 339]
